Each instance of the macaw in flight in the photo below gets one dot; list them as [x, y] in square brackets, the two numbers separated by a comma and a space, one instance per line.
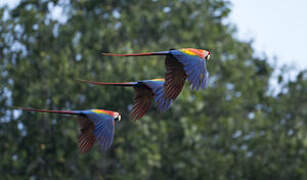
[145, 92]
[95, 125]
[181, 64]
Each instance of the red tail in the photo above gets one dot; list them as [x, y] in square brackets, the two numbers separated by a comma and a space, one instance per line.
[139, 54]
[48, 111]
[112, 84]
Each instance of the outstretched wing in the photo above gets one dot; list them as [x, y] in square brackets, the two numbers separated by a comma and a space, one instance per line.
[87, 138]
[142, 101]
[157, 86]
[104, 130]
[175, 77]
[194, 67]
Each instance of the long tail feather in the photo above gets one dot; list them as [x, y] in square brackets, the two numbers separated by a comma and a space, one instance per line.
[139, 54]
[48, 111]
[112, 84]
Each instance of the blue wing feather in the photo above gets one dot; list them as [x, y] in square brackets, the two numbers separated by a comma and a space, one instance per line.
[163, 103]
[194, 67]
[104, 129]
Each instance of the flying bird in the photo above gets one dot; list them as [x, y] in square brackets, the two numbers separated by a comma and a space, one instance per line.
[181, 64]
[145, 92]
[95, 125]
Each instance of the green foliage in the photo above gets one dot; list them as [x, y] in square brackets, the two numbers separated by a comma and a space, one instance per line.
[234, 129]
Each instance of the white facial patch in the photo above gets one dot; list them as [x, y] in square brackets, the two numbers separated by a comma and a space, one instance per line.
[208, 57]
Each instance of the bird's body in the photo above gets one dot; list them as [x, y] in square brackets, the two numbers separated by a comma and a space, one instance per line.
[145, 92]
[95, 125]
[181, 64]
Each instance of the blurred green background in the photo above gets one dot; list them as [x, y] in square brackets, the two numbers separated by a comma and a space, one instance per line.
[236, 129]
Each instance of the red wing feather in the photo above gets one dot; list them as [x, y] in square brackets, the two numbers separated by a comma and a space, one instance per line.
[86, 139]
[142, 101]
[175, 77]
[86, 142]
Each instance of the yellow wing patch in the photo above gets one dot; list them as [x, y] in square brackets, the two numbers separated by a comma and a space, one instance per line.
[188, 51]
[98, 111]
[101, 111]
[158, 79]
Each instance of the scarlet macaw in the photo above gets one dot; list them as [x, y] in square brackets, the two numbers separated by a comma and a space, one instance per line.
[181, 64]
[145, 92]
[95, 124]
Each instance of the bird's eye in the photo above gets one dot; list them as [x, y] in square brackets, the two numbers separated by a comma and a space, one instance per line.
[208, 56]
